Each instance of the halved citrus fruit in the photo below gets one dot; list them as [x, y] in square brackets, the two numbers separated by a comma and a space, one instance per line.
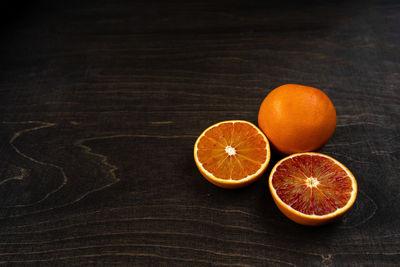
[232, 154]
[312, 188]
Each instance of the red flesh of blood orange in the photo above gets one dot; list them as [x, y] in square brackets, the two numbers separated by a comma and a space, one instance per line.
[312, 188]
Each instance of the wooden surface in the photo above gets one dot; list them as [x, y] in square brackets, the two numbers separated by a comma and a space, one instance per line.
[101, 103]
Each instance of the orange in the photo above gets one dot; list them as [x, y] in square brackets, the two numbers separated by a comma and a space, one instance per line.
[232, 154]
[297, 118]
[312, 188]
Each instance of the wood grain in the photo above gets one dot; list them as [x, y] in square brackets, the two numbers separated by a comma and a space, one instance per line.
[101, 103]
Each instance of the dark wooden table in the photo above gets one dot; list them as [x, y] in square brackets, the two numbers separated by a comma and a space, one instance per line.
[101, 103]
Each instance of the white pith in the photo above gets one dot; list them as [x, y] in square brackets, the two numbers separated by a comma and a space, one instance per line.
[232, 181]
[314, 216]
[230, 150]
[312, 182]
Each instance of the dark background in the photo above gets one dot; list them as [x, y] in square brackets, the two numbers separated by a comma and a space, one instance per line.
[101, 103]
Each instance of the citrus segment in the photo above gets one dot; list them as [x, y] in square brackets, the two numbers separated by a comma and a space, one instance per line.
[312, 188]
[232, 154]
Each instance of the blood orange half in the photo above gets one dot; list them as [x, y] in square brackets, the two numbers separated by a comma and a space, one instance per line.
[232, 154]
[312, 188]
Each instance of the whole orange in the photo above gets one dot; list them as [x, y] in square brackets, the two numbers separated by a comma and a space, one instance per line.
[297, 118]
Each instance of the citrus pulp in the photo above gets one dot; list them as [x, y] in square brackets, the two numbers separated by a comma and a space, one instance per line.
[232, 154]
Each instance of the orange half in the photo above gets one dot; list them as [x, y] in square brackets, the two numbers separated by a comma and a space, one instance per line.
[232, 154]
[312, 188]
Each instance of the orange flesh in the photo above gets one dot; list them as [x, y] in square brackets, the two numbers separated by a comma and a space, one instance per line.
[232, 151]
[312, 185]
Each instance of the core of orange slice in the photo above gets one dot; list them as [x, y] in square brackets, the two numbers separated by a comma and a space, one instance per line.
[312, 188]
[232, 154]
